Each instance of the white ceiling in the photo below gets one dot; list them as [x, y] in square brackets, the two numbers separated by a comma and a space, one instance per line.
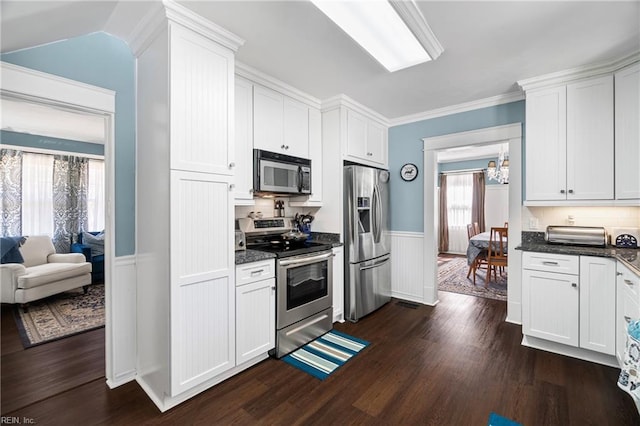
[488, 46]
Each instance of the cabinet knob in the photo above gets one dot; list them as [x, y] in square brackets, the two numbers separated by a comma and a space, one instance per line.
[250, 190]
[286, 147]
[574, 285]
[562, 191]
[571, 191]
[627, 319]
[618, 273]
[629, 283]
[369, 154]
[273, 288]
[232, 165]
[232, 186]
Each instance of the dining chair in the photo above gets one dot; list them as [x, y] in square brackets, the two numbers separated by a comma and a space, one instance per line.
[497, 252]
[481, 259]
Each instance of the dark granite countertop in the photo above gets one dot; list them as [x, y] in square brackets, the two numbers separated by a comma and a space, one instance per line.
[248, 256]
[326, 237]
[534, 241]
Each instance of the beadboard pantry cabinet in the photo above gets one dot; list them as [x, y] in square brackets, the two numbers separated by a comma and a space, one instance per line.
[186, 290]
[243, 193]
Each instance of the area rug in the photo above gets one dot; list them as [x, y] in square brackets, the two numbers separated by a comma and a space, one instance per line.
[61, 315]
[498, 420]
[452, 277]
[326, 354]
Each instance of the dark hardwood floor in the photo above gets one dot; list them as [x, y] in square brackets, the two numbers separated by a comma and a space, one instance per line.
[448, 365]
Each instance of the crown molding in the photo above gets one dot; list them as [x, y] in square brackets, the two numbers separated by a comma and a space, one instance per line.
[454, 109]
[256, 76]
[168, 10]
[343, 100]
[578, 73]
[414, 19]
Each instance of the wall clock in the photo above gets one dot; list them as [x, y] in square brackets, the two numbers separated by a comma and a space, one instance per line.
[409, 172]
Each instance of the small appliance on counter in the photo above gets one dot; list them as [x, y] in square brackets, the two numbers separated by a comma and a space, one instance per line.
[625, 237]
[594, 236]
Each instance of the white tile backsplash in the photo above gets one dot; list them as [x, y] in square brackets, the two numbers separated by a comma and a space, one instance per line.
[265, 205]
[609, 217]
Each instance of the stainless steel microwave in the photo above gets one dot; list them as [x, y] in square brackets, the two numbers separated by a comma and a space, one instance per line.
[275, 173]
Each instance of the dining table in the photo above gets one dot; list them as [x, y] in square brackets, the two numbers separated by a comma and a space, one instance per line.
[477, 243]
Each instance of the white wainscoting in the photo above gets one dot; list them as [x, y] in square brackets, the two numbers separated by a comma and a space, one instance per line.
[121, 326]
[407, 266]
[496, 205]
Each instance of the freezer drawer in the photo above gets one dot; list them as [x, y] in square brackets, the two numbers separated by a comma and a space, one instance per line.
[368, 287]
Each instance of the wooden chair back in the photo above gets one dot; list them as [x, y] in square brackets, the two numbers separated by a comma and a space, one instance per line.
[498, 244]
[476, 228]
[470, 231]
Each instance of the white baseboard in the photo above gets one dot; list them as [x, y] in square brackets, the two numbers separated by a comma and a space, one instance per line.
[579, 353]
[122, 379]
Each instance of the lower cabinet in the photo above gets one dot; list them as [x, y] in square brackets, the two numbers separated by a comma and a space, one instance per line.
[575, 307]
[338, 284]
[627, 305]
[255, 309]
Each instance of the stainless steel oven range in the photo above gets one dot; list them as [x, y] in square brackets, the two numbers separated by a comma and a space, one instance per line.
[304, 287]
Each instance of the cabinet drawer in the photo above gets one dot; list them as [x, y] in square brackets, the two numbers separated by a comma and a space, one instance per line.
[255, 271]
[559, 263]
[629, 281]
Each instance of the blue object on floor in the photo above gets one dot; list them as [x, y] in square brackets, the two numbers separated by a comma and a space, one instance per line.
[497, 420]
[326, 354]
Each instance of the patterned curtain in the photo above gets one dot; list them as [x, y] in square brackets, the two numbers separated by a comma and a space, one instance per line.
[70, 181]
[11, 192]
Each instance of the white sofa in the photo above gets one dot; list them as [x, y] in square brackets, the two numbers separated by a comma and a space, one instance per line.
[43, 273]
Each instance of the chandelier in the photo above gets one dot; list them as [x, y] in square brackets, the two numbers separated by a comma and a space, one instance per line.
[499, 172]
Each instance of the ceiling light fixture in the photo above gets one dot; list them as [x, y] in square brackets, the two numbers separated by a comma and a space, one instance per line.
[394, 32]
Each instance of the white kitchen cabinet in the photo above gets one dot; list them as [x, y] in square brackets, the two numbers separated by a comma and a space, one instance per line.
[338, 284]
[627, 305]
[590, 139]
[243, 190]
[280, 123]
[569, 135]
[185, 259]
[315, 155]
[598, 304]
[201, 85]
[627, 132]
[570, 300]
[366, 140]
[255, 309]
[550, 301]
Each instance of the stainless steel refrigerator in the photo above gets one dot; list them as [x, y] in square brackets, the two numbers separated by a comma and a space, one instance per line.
[367, 245]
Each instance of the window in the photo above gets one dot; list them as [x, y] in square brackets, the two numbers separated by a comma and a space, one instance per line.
[459, 201]
[37, 194]
[95, 196]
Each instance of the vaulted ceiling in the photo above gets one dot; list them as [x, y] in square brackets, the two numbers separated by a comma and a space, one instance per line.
[488, 46]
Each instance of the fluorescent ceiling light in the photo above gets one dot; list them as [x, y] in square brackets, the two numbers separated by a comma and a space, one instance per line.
[378, 28]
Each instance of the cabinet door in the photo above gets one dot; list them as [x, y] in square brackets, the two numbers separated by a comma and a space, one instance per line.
[356, 135]
[376, 143]
[546, 153]
[598, 304]
[202, 279]
[255, 319]
[627, 133]
[590, 139]
[202, 84]
[243, 190]
[315, 154]
[268, 119]
[627, 306]
[338, 284]
[296, 128]
[550, 306]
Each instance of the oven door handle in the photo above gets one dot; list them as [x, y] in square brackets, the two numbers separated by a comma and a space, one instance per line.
[304, 260]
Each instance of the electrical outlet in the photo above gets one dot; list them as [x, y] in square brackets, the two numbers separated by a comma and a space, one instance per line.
[533, 223]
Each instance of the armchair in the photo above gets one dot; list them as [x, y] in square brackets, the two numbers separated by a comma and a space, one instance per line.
[43, 272]
[92, 247]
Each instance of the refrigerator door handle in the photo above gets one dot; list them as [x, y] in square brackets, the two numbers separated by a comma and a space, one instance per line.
[377, 209]
[375, 265]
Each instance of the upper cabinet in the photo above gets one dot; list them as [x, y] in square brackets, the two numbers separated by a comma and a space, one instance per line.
[201, 120]
[627, 133]
[243, 190]
[571, 155]
[366, 140]
[281, 124]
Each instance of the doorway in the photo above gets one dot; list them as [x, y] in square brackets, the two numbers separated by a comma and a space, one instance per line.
[511, 134]
[88, 104]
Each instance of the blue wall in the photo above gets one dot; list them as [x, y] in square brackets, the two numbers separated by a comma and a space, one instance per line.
[101, 60]
[47, 142]
[405, 146]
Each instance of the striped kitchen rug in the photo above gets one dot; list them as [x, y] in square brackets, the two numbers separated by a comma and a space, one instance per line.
[326, 354]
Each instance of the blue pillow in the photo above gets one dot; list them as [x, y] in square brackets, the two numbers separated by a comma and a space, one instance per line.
[9, 249]
[95, 242]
